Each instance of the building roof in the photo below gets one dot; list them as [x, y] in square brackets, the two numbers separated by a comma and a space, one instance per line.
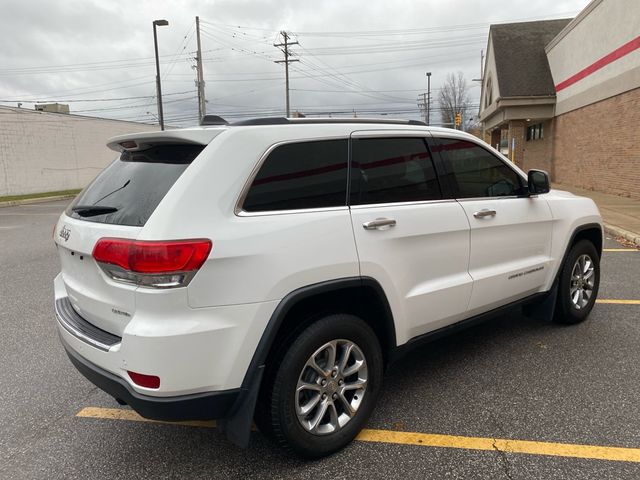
[521, 62]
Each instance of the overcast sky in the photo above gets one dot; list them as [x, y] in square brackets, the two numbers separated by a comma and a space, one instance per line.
[367, 56]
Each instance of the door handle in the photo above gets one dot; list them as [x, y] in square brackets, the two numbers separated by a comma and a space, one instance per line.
[379, 224]
[485, 212]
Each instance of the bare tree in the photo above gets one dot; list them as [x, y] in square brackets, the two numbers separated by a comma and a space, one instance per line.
[454, 98]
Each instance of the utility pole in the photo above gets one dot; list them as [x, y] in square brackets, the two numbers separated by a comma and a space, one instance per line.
[423, 106]
[202, 108]
[428, 98]
[286, 62]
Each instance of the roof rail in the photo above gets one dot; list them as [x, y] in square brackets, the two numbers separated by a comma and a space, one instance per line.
[213, 120]
[262, 121]
[284, 121]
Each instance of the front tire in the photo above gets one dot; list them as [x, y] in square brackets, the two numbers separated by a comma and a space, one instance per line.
[325, 386]
[579, 283]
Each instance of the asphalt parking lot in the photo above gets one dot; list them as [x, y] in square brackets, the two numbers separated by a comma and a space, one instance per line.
[514, 398]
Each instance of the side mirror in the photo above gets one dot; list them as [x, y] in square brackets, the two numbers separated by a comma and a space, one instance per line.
[538, 181]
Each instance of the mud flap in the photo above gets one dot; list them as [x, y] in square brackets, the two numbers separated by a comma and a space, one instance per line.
[545, 309]
[237, 426]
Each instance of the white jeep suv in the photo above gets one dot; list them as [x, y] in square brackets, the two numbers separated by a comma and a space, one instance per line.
[272, 268]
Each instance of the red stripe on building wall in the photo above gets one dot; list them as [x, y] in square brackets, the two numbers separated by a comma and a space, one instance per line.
[603, 62]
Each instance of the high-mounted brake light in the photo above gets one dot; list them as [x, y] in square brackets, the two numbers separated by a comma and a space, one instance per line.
[129, 144]
[162, 264]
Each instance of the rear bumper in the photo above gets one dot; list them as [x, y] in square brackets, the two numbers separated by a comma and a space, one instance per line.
[198, 406]
[192, 351]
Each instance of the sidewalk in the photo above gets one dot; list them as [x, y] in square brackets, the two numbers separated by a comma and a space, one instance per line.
[621, 215]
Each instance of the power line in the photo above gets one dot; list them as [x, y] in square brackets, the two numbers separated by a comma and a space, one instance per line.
[92, 99]
[214, 35]
[126, 107]
[87, 68]
[398, 47]
[355, 86]
[87, 90]
[351, 91]
[402, 31]
[92, 66]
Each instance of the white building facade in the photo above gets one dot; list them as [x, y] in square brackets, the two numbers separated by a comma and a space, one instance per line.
[47, 152]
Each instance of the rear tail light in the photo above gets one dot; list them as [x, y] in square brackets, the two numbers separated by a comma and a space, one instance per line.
[165, 264]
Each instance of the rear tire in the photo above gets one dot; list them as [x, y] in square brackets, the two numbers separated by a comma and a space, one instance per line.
[324, 388]
[578, 285]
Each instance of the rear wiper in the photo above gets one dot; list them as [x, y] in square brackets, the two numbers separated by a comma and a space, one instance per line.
[111, 193]
[92, 210]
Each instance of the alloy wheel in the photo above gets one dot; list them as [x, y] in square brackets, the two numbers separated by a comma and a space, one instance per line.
[331, 387]
[582, 281]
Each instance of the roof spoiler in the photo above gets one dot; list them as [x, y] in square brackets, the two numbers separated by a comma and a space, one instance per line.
[144, 140]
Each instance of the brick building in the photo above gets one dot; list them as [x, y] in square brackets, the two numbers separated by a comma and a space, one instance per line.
[518, 95]
[564, 96]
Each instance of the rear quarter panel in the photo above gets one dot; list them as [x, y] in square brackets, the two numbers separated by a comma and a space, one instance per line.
[255, 258]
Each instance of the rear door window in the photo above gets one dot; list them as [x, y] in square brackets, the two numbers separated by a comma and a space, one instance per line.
[390, 170]
[301, 175]
[128, 191]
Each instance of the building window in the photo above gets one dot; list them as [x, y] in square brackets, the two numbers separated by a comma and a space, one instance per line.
[535, 132]
[488, 95]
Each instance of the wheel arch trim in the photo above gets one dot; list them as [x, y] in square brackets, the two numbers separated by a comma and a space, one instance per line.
[306, 292]
[576, 231]
[237, 426]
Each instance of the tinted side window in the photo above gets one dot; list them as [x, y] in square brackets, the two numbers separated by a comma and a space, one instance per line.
[135, 183]
[386, 170]
[301, 175]
[475, 172]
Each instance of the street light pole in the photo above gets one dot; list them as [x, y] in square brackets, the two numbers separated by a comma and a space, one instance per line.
[158, 23]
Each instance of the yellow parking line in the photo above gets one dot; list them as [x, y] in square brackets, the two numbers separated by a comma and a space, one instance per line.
[617, 301]
[130, 415]
[594, 452]
[502, 445]
[620, 250]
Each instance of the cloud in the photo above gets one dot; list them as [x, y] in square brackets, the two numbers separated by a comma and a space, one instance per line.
[373, 63]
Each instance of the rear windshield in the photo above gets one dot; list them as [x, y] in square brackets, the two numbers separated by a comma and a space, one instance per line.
[129, 190]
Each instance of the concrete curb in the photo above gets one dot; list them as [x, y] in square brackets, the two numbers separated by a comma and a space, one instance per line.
[27, 201]
[621, 232]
